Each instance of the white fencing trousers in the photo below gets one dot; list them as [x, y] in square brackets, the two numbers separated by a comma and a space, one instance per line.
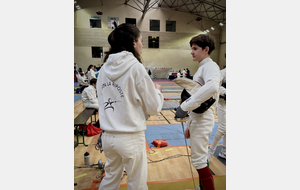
[221, 132]
[125, 150]
[89, 105]
[200, 126]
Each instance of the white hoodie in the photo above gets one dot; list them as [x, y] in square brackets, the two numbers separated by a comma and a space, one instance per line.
[126, 94]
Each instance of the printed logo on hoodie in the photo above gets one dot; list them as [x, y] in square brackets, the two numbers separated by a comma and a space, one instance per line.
[109, 103]
[119, 89]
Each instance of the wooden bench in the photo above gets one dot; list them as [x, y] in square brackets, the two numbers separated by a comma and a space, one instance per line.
[81, 120]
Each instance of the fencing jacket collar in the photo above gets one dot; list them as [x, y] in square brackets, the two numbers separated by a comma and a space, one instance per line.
[206, 60]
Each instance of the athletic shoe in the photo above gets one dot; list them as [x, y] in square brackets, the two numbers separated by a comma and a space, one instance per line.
[210, 153]
[222, 155]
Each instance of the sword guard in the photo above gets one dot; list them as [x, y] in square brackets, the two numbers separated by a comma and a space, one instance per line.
[178, 119]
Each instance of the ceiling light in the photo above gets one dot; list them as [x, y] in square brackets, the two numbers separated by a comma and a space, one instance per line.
[99, 12]
[221, 23]
[212, 28]
[207, 30]
[75, 2]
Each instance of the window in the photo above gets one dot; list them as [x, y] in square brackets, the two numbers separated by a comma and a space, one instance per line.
[113, 22]
[97, 52]
[154, 25]
[153, 42]
[95, 22]
[170, 26]
[130, 21]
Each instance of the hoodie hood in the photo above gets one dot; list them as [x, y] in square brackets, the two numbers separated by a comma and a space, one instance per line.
[118, 63]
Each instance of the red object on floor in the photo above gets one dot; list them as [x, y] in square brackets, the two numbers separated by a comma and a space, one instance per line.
[91, 130]
[93, 186]
[166, 98]
[160, 143]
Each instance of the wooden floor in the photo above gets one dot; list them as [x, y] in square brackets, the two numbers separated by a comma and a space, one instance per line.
[166, 171]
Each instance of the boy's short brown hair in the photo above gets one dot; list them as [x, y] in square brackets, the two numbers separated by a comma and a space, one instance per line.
[93, 81]
[202, 41]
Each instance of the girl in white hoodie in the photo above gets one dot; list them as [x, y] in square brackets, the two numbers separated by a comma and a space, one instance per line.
[126, 97]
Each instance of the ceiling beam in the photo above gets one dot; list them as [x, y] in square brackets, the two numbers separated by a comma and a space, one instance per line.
[150, 6]
[213, 4]
[145, 8]
[138, 5]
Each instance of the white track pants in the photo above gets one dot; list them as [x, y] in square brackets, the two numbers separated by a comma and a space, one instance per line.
[96, 106]
[125, 150]
[200, 126]
[221, 112]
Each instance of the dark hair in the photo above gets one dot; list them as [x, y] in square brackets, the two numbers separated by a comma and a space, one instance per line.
[202, 41]
[81, 73]
[121, 38]
[89, 67]
[93, 81]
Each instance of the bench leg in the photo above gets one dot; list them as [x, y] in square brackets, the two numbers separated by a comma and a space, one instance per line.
[82, 136]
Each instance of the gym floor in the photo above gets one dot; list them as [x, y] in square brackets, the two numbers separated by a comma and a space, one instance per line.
[174, 172]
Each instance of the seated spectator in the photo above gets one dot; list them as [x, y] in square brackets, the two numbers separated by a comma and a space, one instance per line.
[75, 72]
[89, 95]
[83, 83]
[86, 76]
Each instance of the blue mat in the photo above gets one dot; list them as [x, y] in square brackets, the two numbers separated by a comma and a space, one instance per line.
[172, 133]
[77, 97]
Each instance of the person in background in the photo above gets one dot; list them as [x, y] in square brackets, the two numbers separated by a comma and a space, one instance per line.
[127, 97]
[149, 73]
[200, 125]
[95, 70]
[85, 77]
[91, 73]
[188, 73]
[83, 83]
[221, 112]
[89, 95]
[76, 66]
[183, 73]
[178, 74]
[75, 72]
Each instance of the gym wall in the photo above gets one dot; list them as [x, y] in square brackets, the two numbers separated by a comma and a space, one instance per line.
[174, 50]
